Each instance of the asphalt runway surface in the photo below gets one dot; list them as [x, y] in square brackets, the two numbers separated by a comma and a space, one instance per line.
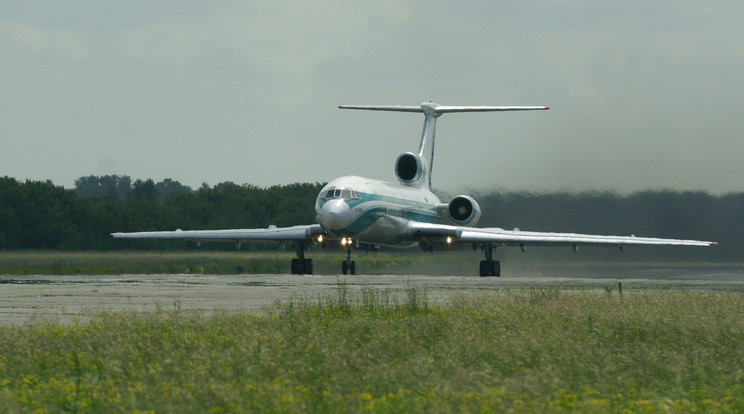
[72, 299]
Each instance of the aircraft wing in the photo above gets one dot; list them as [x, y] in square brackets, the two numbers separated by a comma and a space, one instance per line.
[271, 234]
[500, 237]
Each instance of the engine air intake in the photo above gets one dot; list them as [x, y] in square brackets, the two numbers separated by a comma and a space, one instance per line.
[464, 210]
[408, 167]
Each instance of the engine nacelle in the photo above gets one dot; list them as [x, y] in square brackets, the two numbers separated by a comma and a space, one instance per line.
[464, 210]
[409, 168]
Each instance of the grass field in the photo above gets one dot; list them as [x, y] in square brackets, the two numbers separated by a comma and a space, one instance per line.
[206, 262]
[392, 351]
[325, 262]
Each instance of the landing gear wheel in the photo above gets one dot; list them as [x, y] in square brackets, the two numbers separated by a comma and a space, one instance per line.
[495, 269]
[302, 266]
[483, 268]
[348, 267]
[490, 268]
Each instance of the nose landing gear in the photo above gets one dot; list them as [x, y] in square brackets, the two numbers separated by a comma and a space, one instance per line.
[348, 265]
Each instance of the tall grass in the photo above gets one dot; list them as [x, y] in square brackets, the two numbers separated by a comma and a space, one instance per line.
[208, 262]
[392, 351]
[59, 263]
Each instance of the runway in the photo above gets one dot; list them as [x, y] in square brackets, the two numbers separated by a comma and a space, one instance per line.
[72, 299]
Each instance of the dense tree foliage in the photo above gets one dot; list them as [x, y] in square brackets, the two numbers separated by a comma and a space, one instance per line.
[112, 187]
[40, 215]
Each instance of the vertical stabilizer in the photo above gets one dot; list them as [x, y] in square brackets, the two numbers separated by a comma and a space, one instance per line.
[428, 135]
[431, 112]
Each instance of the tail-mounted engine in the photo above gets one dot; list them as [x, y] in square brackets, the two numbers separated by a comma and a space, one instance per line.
[464, 210]
[409, 168]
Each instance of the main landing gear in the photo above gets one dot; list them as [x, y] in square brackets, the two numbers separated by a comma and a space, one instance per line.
[348, 265]
[301, 265]
[304, 266]
[489, 267]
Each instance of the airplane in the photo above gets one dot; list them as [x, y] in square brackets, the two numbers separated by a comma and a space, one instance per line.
[363, 213]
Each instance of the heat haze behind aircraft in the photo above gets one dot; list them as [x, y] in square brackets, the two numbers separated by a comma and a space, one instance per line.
[358, 212]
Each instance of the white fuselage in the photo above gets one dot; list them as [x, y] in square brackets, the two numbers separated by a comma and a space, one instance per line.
[372, 211]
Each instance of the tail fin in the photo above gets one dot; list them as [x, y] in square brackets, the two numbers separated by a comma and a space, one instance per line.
[431, 112]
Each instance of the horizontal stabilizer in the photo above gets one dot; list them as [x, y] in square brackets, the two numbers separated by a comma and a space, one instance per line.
[445, 109]
[393, 108]
[436, 109]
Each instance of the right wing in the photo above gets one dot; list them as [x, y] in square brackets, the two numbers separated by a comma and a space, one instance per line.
[501, 237]
[271, 234]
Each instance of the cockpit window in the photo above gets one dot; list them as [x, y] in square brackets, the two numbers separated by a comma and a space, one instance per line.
[345, 193]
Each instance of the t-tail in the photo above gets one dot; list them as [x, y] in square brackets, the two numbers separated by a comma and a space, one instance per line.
[415, 169]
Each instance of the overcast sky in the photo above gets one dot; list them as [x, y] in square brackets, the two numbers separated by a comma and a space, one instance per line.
[643, 95]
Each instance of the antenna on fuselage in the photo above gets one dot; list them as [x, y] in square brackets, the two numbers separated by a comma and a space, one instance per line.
[431, 112]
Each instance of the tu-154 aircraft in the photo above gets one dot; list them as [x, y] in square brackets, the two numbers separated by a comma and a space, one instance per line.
[360, 212]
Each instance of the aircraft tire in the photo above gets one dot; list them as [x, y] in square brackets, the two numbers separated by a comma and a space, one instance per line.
[495, 269]
[309, 266]
[352, 268]
[484, 268]
[295, 266]
[344, 267]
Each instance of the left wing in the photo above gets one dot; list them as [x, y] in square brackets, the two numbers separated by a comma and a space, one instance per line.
[271, 234]
[500, 237]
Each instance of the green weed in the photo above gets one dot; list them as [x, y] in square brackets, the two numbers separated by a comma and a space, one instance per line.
[392, 351]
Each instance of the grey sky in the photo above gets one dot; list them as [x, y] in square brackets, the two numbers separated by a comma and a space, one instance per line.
[642, 94]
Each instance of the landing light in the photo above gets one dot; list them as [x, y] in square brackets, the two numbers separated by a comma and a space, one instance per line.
[449, 239]
[320, 238]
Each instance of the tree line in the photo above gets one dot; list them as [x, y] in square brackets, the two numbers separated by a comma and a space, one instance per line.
[41, 215]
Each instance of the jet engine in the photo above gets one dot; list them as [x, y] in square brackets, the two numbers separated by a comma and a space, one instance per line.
[464, 210]
[409, 168]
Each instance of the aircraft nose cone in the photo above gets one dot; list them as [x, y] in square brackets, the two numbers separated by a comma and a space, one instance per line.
[335, 214]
